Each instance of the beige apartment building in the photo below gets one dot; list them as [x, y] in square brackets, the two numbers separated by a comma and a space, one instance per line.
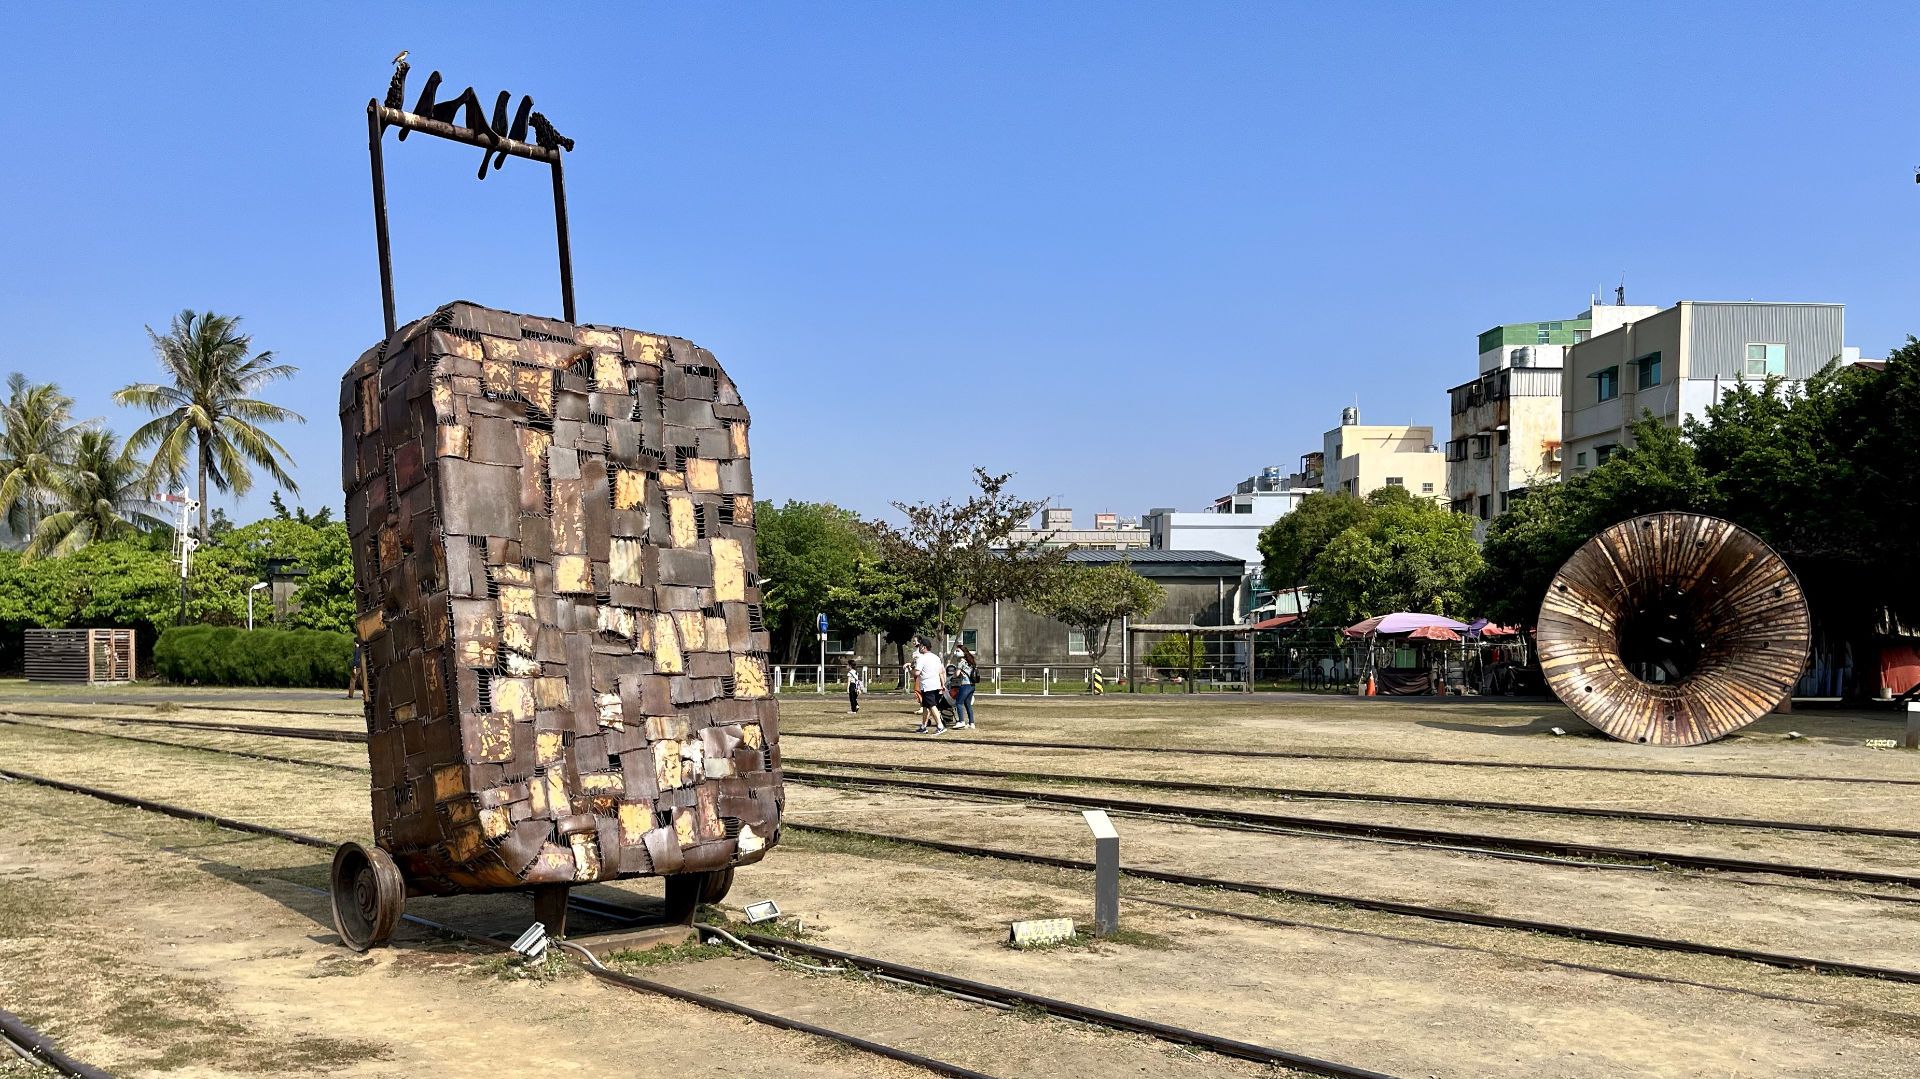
[1361, 459]
[1677, 362]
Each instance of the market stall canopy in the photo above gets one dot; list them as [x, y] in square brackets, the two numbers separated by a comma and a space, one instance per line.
[1483, 628]
[1433, 633]
[1401, 622]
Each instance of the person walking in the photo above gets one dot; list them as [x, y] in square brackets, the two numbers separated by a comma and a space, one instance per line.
[930, 681]
[965, 675]
[856, 685]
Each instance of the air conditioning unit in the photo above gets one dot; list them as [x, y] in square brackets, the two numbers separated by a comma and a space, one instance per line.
[1554, 455]
[1521, 357]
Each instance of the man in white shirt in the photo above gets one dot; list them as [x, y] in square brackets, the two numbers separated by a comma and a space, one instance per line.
[930, 678]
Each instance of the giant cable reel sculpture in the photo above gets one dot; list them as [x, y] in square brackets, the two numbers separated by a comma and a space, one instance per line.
[1673, 629]
[555, 590]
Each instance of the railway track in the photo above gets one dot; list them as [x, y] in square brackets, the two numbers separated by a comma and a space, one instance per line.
[1476, 843]
[1467, 842]
[37, 1047]
[947, 983]
[1386, 906]
[1315, 794]
[1360, 758]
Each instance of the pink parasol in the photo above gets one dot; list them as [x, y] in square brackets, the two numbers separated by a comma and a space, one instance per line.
[1402, 622]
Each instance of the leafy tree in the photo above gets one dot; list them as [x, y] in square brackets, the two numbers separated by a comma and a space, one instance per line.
[299, 513]
[37, 438]
[1290, 546]
[205, 407]
[881, 599]
[959, 552]
[1092, 598]
[807, 549]
[1404, 555]
[100, 495]
[1177, 652]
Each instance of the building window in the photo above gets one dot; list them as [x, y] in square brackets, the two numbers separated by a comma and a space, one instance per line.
[1581, 335]
[1504, 436]
[1607, 382]
[1503, 502]
[1457, 450]
[970, 638]
[1542, 335]
[1076, 642]
[1764, 360]
[1461, 505]
[1602, 454]
[1649, 375]
[1482, 446]
[1396, 481]
[1486, 507]
[1243, 507]
[1580, 459]
[1426, 488]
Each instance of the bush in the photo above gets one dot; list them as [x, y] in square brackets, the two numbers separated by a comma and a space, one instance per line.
[229, 656]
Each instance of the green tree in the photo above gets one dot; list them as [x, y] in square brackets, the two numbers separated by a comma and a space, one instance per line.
[1404, 555]
[880, 599]
[1092, 598]
[37, 438]
[1290, 546]
[960, 551]
[100, 495]
[205, 408]
[807, 549]
[298, 513]
[1176, 653]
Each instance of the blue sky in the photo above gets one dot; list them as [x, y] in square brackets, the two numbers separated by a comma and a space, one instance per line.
[1130, 252]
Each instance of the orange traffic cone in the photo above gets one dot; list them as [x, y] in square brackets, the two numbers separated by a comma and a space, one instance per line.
[1369, 685]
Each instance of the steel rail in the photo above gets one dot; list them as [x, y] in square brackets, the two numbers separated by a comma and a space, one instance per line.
[1331, 827]
[275, 758]
[310, 734]
[1312, 794]
[41, 1049]
[1112, 1020]
[1309, 827]
[1387, 906]
[1351, 757]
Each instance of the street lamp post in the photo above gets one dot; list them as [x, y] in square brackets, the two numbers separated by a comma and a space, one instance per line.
[250, 593]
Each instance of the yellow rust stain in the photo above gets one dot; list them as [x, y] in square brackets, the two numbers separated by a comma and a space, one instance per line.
[465, 844]
[749, 840]
[737, 438]
[608, 705]
[617, 621]
[516, 599]
[680, 519]
[572, 573]
[729, 570]
[636, 821]
[609, 374]
[449, 781]
[451, 440]
[665, 728]
[514, 697]
[495, 823]
[685, 829]
[477, 653]
[496, 738]
[673, 481]
[629, 489]
[693, 630]
[666, 764]
[496, 375]
[666, 645]
[550, 748]
[602, 783]
[517, 634]
[702, 474]
[371, 625]
[751, 736]
[555, 782]
[743, 510]
[749, 681]
[533, 447]
[510, 574]
[648, 349]
[535, 384]
[586, 856]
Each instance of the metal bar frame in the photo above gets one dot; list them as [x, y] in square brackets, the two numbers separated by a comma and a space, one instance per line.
[380, 117]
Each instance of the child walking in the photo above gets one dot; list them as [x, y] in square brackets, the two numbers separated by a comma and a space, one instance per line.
[856, 685]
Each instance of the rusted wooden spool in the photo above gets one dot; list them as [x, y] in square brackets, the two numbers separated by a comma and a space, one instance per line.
[1673, 629]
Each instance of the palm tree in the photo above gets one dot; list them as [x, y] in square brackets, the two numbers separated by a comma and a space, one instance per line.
[37, 436]
[206, 408]
[102, 493]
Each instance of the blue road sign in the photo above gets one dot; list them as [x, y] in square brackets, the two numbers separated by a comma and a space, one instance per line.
[823, 622]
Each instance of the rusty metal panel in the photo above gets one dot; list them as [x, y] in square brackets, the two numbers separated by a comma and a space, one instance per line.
[1673, 629]
[548, 703]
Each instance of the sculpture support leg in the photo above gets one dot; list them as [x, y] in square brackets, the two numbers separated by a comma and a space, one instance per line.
[550, 908]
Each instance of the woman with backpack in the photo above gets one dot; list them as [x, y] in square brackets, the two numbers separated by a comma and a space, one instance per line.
[963, 675]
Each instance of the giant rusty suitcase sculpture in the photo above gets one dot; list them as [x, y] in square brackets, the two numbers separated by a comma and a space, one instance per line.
[1673, 629]
[552, 530]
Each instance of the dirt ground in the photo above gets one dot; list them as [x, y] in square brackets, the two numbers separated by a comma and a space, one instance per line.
[152, 946]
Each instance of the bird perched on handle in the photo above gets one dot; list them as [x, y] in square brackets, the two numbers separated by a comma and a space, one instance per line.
[401, 58]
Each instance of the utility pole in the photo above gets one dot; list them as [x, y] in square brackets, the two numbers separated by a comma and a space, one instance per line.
[184, 544]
